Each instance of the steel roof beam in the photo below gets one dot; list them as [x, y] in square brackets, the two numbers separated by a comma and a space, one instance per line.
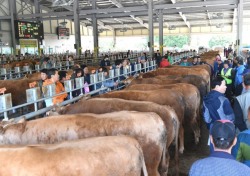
[196, 4]
[62, 15]
[157, 7]
[182, 16]
[209, 18]
[119, 5]
[5, 17]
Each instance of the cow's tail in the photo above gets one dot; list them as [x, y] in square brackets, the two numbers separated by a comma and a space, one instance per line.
[144, 168]
[164, 167]
[176, 157]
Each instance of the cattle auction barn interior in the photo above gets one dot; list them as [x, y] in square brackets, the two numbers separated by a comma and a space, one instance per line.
[124, 87]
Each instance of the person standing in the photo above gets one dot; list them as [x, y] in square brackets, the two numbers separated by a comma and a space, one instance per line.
[241, 104]
[164, 62]
[185, 62]
[241, 150]
[215, 105]
[239, 69]
[220, 162]
[53, 78]
[228, 75]
[195, 61]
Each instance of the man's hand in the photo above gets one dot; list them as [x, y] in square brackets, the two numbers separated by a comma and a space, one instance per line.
[2, 90]
[116, 84]
[32, 85]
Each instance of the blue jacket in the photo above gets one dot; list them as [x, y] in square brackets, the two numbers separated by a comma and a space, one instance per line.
[109, 83]
[239, 74]
[215, 107]
[219, 164]
[241, 150]
[185, 64]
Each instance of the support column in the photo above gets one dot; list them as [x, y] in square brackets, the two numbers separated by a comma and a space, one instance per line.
[95, 31]
[37, 8]
[37, 11]
[239, 26]
[77, 28]
[151, 28]
[161, 32]
[114, 38]
[12, 4]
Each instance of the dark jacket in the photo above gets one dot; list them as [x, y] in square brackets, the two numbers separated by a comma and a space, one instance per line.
[215, 107]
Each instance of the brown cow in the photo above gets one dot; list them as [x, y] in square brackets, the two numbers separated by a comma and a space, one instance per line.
[203, 73]
[93, 156]
[163, 97]
[191, 96]
[148, 128]
[105, 105]
[17, 88]
[204, 66]
[195, 80]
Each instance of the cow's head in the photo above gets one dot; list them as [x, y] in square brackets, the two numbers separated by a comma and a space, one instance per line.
[128, 80]
[10, 131]
[55, 110]
[85, 97]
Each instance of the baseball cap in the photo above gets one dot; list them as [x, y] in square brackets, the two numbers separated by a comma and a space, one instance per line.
[223, 130]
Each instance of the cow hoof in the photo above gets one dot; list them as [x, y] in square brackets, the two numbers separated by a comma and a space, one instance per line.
[181, 150]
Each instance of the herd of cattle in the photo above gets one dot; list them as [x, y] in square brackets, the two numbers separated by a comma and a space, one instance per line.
[126, 132]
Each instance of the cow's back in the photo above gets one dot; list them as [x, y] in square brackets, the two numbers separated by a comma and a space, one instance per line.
[93, 156]
[106, 105]
[147, 128]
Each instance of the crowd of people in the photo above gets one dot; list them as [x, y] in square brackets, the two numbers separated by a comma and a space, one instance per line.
[54, 76]
[226, 112]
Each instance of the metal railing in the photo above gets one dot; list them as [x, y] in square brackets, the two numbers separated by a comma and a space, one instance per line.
[96, 79]
[62, 65]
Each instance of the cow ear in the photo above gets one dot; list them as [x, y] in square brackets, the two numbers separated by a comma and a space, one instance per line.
[21, 124]
[85, 97]
[22, 120]
[56, 108]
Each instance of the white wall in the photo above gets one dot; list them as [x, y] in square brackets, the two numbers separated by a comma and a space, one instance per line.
[64, 45]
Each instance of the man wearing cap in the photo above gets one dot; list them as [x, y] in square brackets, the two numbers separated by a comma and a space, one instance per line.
[185, 62]
[220, 162]
[241, 150]
[241, 104]
[228, 74]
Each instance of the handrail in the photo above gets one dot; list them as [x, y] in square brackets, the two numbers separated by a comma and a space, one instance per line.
[38, 112]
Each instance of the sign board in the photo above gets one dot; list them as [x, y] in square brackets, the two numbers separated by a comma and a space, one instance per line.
[28, 43]
[3, 71]
[101, 76]
[79, 82]
[33, 94]
[69, 85]
[111, 73]
[17, 69]
[5, 101]
[93, 78]
[37, 67]
[26, 68]
[29, 30]
[49, 90]
[61, 31]
[117, 72]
